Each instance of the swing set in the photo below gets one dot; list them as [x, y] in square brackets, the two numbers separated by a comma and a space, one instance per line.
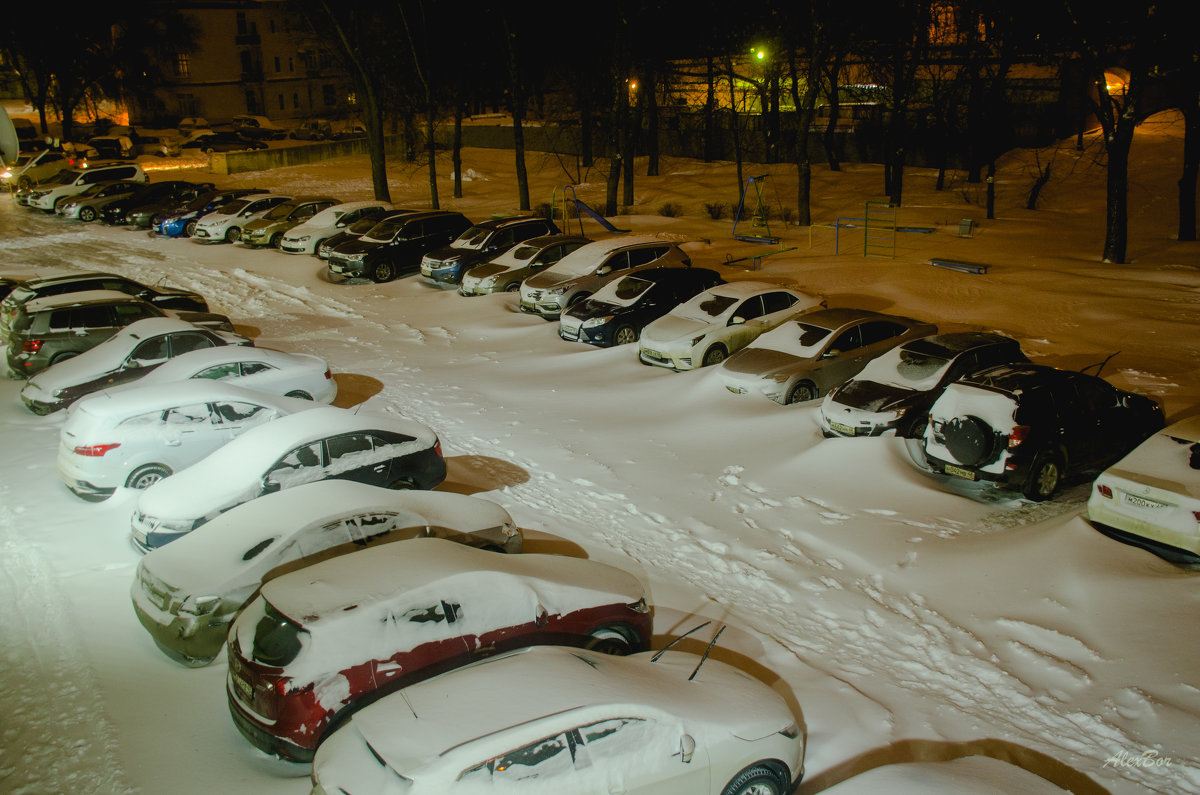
[760, 218]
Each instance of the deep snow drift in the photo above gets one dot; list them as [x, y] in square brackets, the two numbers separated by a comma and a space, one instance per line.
[908, 618]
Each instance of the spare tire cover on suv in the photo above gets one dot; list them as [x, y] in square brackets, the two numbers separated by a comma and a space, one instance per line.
[970, 440]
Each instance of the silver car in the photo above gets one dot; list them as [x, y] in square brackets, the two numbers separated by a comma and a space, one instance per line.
[587, 269]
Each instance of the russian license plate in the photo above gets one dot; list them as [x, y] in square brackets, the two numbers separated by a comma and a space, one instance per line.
[845, 430]
[1142, 502]
[335, 267]
[653, 354]
[737, 390]
[959, 472]
[528, 307]
[244, 690]
[426, 270]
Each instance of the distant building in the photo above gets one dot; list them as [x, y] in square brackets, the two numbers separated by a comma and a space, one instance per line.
[252, 57]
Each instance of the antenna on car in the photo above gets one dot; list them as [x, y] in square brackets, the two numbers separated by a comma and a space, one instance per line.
[711, 643]
[1100, 365]
[663, 650]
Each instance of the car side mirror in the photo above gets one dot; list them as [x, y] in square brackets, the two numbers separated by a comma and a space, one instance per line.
[268, 486]
[603, 270]
[737, 320]
[687, 748]
[832, 353]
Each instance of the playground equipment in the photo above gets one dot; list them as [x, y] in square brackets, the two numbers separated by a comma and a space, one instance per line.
[760, 216]
[572, 202]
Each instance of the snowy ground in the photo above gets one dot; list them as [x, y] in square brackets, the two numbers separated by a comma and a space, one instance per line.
[909, 619]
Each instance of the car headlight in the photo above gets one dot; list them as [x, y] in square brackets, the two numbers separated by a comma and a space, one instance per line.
[301, 239]
[592, 322]
[696, 340]
[199, 605]
[556, 291]
[781, 378]
[355, 257]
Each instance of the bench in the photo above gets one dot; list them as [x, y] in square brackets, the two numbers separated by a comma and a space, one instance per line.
[959, 265]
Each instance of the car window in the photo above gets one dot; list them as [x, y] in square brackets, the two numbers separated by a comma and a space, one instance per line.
[238, 411]
[128, 313]
[299, 466]
[348, 444]
[149, 351]
[527, 231]
[848, 340]
[545, 759]
[750, 308]
[186, 341]
[322, 537]
[617, 262]
[777, 301]
[1096, 396]
[91, 317]
[879, 330]
[252, 368]
[195, 415]
[643, 256]
[219, 372]
[440, 612]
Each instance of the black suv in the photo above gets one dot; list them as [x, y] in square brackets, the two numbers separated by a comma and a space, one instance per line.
[152, 195]
[1028, 427]
[483, 241]
[619, 311]
[394, 247]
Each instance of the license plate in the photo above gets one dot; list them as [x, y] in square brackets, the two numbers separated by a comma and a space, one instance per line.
[528, 307]
[652, 353]
[842, 429]
[959, 472]
[426, 270]
[244, 691]
[201, 233]
[737, 390]
[1142, 502]
[335, 268]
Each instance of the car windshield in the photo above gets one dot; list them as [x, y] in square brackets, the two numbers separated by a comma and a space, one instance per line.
[234, 207]
[281, 211]
[91, 190]
[362, 226]
[64, 177]
[384, 231]
[473, 238]
[706, 307]
[277, 639]
[798, 339]
[623, 292]
[906, 369]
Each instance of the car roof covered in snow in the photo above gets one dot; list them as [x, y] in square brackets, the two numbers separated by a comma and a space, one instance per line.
[947, 346]
[139, 398]
[76, 299]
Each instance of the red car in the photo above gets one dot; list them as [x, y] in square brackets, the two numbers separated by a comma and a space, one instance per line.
[321, 642]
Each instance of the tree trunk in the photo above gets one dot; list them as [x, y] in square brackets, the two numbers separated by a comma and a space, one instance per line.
[431, 150]
[1191, 169]
[733, 125]
[456, 148]
[517, 108]
[1116, 214]
[710, 113]
[373, 121]
[651, 100]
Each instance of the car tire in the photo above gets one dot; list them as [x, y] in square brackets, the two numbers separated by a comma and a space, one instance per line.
[402, 484]
[515, 287]
[801, 393]
[713, 356]
[59, 202]
[625, 335]
[581, 296]
[758, 779]
[276, 240]
[233, 234]
[1045, 476]
[189, 229]
[609, 640]
[87, 214]
[317, 246]
[383, 272]
[969, 440]
[299, 393]
[146, 476]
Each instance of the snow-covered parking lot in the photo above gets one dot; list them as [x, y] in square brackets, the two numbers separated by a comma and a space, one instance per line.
[907, 617]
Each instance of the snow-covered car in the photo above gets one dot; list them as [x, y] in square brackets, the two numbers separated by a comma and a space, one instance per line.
[73, 281]
[395, 245]
[304, 238]
[356, 230]
[139, 208]
[1029, 427]
[187, 593]
[269, 229]
[317, 643]
[588, 268]
[181, 221]
[1151, 497]
[803, 359]
[298, 375]
[126, 356]
[70, 181]
[720, 321]
[893, 393]
[553, 719]
[446, 265]
[505, 273]
[31, 168]
[86, 206]
[258, 128]
[619, 310]
[146, 432]
[225, 225]
[324, 443]
[48, 331]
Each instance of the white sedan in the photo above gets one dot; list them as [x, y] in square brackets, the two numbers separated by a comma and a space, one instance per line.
[1151, 497]
[718, 322]
[554, 719]
[298, 375]
[304, 238]
[225, 225]
[188, 592]
[138, 436]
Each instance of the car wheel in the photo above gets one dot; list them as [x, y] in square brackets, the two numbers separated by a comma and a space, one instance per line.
[714, 355]
[1045, 476]
[608, 640]
[801, 393]
[625, 335]
[87, 214]
[515, 287]
[146, 476]
[317, 246]
[209, 151]
[577, 298]
[299, 393]
[59, 202]
[190, 229]
[233, 234]
[758, 779]
[384, 272]
[403, 484]
[276, 240]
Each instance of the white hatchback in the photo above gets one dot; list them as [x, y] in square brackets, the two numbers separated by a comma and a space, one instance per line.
[225, 225]
[146, 432]
[306, 237]
[720, 321]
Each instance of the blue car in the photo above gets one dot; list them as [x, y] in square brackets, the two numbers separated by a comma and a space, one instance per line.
[181, 222]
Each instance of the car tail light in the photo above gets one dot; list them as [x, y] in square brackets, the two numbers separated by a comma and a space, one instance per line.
[328, 375]
[31, 346]
[284, 688]
[96, 450]
[1104, 491]
[639, 606]
[437, 448]
[1017, 435]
